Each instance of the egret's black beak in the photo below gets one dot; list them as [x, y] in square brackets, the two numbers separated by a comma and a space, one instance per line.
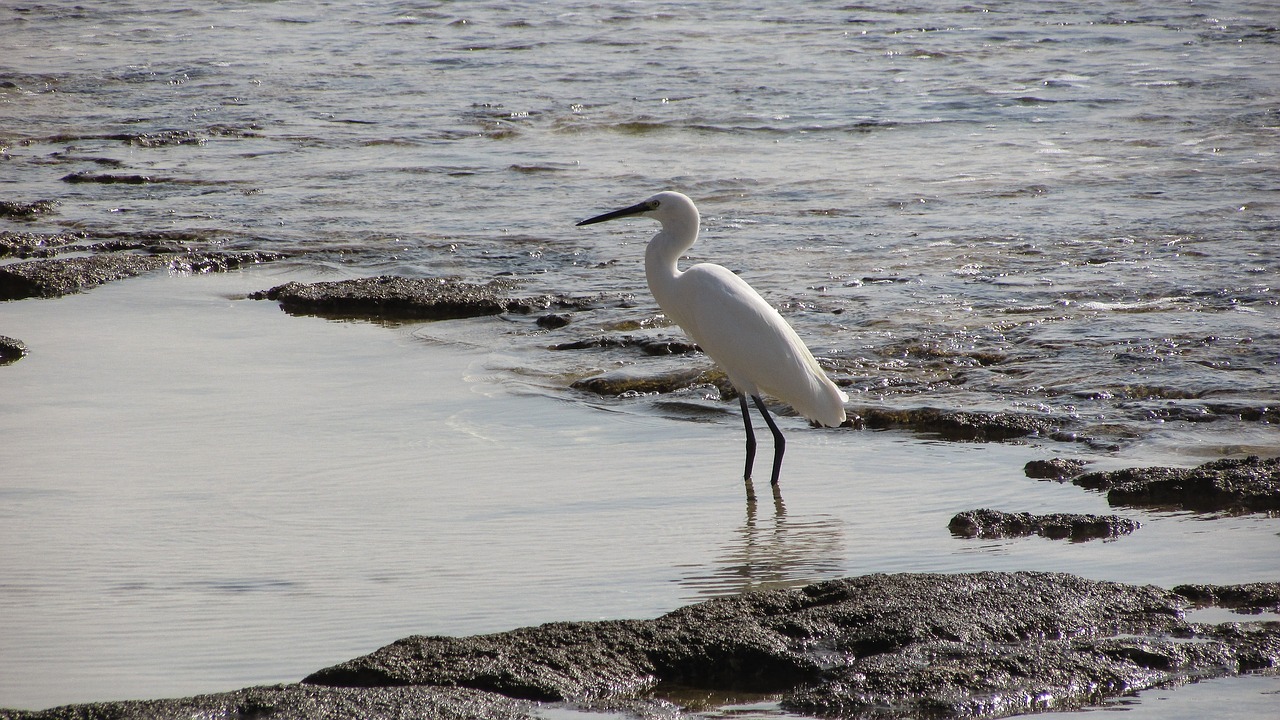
[624, 212]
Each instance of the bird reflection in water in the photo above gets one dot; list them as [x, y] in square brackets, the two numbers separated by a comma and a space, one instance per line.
[771, 553]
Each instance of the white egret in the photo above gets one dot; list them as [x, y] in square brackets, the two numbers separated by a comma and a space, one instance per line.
[729, 320]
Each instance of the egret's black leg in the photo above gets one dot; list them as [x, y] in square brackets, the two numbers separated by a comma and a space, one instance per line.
[779, 442]
[751, 443]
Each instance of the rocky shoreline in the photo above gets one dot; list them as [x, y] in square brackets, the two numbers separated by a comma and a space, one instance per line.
[60, 264]
[967, 645]
[973, 645]
[95, 261]
[1232, 485]
[90, 261]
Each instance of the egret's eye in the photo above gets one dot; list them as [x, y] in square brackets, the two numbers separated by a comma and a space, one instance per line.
[653, 204]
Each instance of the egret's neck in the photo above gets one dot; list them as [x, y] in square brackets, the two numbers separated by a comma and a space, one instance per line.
[661, 256]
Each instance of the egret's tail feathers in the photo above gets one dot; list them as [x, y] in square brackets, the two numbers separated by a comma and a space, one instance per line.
[835, 414]
[825, 404]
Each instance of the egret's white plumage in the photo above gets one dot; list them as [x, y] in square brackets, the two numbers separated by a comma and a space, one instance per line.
[729, 320]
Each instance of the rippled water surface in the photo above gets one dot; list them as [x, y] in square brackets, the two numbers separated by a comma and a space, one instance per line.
[1067, 210]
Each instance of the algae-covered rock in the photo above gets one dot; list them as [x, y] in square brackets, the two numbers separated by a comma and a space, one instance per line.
[992, 680]
[968, 645]
[971, 645]
[65, 276]
[113, 178]
[1053, 468]
[959, 424]
[11, 350]
[557, 661]
[634, 380]
[34, 244]
[55, 277]
[402, 298]
[299, 702]
[649, 345]
[1246, 597]
[1249, 484]
[987, 523]
[552, 321]
[26, 210]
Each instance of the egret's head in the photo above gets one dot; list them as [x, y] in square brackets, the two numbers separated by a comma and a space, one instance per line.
[665, 207]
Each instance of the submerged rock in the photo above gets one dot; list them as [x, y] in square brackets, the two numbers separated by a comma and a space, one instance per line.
[402, 298]
[112, 178]
[987, 523]
[11, 350]
[64, 276]
[649, 345]
[1249, 484]
[629, 381]
[974, 645]
[552, 321]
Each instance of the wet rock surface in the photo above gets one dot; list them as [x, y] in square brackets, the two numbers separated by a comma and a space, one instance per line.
[552, 321]
[649, 345]
[29, 245]
[112, 178]
[11, 350]
[955, 425]
[627, 382]
[631, 380]
[986, 523]
[401, 298]
[150, 139]
[55, 277]
[1249, 484]
[973, 645]
[958, 424]
[988, 680]
[48, 245]
[982, 645]
[1246, 597]
[58, 277]
[26, 210]
[302, 701]
[1053, 468]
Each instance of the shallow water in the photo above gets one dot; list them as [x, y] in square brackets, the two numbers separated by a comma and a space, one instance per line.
[206, 493]
[1068, 211]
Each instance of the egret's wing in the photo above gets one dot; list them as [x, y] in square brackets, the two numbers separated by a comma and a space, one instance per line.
[753, 344]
